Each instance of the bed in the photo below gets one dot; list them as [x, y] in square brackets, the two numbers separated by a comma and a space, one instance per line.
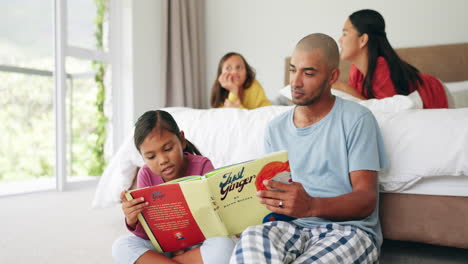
[424, 194]
[434, 208]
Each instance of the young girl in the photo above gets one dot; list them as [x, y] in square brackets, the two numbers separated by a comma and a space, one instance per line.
[377, 71]
[235, 84]
[168, 156]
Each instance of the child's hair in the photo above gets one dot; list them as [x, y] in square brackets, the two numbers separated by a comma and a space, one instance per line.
[158, 119]
[218, 93]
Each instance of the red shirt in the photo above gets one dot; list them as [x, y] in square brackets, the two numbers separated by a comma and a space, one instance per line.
[431, 90]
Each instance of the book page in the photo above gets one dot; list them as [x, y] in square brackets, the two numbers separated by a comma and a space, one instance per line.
[234, 190]
[203, 208]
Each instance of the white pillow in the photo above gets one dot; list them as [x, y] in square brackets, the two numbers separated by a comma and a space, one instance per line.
[457, 86]
[457, 94]
[395, 103]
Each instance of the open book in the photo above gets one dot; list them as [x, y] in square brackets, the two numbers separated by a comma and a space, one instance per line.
[186, 211]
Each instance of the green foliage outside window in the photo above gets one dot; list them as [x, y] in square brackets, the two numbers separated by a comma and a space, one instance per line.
[98, 150]
[27, 119]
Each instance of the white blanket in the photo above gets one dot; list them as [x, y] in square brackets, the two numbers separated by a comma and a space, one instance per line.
[419, 143]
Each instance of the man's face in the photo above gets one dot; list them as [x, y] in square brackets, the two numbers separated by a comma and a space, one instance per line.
[308, 76]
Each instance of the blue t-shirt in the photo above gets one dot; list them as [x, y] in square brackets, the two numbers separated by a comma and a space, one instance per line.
[322, 155]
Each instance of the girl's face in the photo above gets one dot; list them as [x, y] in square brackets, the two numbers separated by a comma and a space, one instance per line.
[350, 42]
[162, 152]
[235, 67]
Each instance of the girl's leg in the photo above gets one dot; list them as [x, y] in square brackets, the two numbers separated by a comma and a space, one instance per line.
[129, 249]
[217, 250]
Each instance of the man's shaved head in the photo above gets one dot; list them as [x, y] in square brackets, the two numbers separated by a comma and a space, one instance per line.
[325, 44]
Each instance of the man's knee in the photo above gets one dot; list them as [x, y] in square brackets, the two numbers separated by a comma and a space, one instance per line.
[253, 230]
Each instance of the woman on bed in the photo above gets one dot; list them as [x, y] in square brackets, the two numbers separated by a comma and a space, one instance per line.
[235, 85]
[376, 70]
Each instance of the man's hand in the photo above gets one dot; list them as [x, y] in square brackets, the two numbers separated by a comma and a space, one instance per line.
[295, 202]
[288, 199]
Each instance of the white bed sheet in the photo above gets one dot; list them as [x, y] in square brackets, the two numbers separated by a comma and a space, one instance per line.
[422, 144]
[439, 185]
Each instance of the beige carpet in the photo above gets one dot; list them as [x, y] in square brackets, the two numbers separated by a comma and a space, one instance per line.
[58, 227]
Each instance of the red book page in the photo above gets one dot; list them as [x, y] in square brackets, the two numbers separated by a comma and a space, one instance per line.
[169, 217]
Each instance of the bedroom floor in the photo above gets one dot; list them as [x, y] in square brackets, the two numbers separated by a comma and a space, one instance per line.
[53, 227]
[417, 253]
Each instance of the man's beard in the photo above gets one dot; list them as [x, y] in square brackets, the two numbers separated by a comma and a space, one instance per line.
[314, 99]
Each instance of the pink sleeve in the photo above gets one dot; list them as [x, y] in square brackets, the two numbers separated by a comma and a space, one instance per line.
[207, 166]
[144, 177]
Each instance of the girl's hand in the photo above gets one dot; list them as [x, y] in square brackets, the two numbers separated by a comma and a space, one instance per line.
[229, 103]
[227, 82]
[131, 209]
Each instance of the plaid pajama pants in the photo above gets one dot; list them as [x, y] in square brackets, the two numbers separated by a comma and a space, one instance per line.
[283, 242]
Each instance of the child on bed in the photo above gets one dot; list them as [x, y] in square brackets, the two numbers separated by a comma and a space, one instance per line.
[167, 156]
[235, 85]
[377, 71]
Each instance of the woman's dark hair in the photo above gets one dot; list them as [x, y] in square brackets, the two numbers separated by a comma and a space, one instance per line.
[372, 23]
[158, 119]
[218, 93]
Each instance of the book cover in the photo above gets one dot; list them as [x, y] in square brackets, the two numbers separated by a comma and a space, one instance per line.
[186, 211]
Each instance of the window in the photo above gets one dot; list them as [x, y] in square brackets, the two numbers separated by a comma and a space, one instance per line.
[54, 124]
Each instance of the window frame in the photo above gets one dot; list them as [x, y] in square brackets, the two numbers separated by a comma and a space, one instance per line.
[61, 50]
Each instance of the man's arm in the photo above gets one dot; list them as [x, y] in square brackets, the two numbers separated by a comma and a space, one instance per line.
[357, 204]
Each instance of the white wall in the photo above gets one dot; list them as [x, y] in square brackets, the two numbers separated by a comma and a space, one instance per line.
[265, 31]
[146, 55]
[136, 47]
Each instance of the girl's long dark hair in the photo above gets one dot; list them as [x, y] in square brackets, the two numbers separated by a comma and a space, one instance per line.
[159, 119]
[403, 75]
[218, 93]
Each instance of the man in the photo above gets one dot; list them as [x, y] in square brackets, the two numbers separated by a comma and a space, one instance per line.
[335, 150]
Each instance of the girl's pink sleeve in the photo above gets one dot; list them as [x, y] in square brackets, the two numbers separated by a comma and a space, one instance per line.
[207, 166]
[143, 177]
